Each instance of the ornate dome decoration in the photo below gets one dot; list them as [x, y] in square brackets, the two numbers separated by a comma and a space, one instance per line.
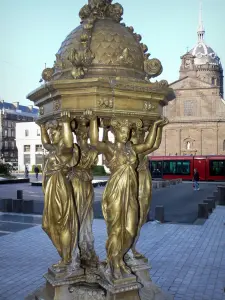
[103, 47]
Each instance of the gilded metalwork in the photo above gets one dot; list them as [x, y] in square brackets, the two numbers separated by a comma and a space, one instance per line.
[56, 105]
[41, 110]
[144, 177]
[105, 102]
[83, 191]
[119, 204]
[47, 74]
[101, 77]
[148, 106]
[59, 216]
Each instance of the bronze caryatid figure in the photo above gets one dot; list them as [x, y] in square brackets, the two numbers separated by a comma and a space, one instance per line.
[144, 177]
[59, 216]
[81, 179]
[120, 199]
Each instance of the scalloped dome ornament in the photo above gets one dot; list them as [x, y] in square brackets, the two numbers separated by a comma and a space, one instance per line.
[101, 46]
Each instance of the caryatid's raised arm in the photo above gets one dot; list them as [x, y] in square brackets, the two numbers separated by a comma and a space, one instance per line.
[158, 137]
[150, 139]
[45, 137]
[66, 130]
[101, 147]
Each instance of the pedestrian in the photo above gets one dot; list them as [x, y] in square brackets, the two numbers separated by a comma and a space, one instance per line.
[26, 172]
[196, 180]
[36, 171]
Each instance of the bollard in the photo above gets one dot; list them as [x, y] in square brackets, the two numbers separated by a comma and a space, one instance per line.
[213, 201]
[7, 205]
[159, 213]
[20, 194]
[210, 205]
[154, 185]
[168, 183]
[17, 205]
[203, 212]
[28, 206]
[221, 194]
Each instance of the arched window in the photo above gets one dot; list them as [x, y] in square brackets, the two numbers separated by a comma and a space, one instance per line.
[188, 146]
[26, 132]
[213, 81]
[224, 145]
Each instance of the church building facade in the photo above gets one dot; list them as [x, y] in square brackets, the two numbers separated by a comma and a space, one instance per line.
[197, 115]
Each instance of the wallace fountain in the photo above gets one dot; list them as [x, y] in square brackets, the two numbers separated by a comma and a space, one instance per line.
[101, 78]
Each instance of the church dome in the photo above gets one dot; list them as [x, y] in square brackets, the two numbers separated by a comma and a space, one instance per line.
[102, 46]
[204, 55]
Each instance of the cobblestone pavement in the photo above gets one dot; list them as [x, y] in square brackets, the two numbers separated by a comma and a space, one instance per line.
[187, 261]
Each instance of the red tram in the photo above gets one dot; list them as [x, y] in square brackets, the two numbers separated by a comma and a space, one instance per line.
[210, 168]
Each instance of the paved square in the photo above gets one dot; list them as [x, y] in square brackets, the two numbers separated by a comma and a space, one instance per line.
[187, 260]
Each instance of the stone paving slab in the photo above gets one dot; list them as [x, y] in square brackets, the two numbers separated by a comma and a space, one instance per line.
[187, 260]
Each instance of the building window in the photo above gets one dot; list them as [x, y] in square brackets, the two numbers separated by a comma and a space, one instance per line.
[26, 148]
[6, 145]
[9, 123]
[38, 132]
[5, 132]
[38, 159]
[13, 144]
[5, 123]
[26, 158]
[38, 148]
[9, 132]
[11, 154]
[213, 81]
[12, 132]
[189, 108]
[26, 132]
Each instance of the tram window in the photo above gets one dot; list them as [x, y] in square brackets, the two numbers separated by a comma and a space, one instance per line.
[156, 168]
[180, 167]
[217, 167]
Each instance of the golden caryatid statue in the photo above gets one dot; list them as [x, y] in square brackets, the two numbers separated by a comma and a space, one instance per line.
[81, 179]
[59, 216]
[144, 178]
[101, 79]
[120, 199]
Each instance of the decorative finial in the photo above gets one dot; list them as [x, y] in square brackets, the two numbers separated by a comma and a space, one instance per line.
[100, 9]
[201, 30]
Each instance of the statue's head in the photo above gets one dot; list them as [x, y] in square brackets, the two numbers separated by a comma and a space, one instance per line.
[55, 131]
[81, 129]
[137, 135]
[122, 128]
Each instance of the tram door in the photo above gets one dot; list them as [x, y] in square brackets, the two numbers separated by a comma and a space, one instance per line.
[200, 165]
